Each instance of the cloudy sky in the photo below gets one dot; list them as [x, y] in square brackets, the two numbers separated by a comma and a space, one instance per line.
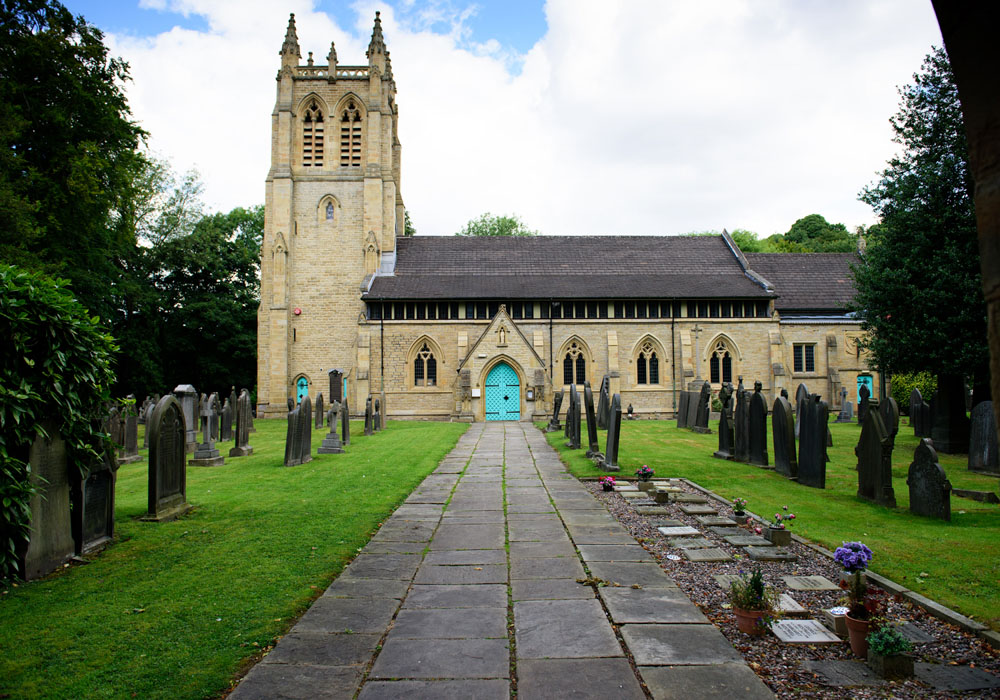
[581, 116]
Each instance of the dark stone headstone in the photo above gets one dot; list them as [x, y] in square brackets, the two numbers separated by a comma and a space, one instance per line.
[916, 400]
[682, 409]
[319, 411]
[874, 454]
[377, 416]
[610, 461]
[704, 408]
[336, 385]
[345, 422]
[206, 454]
[148, 417]
[291, 437]
[51, 542]
[783, 393]
[741, 425]
[757, 438]
[950, 430]
[863, 397]
[291, 404]
[783, 434]
[813, 440]
[93, 501]
[332, 444]
[573, 419]
[233, 398]
[554, 425]
[593, 448]
[604, 403]
[130, 437]
[188, 398]
[930, 490]
[801, 396]
[167, 468]
[244, 420]
[725, 450]
[227, 421]
[889, 410]
[983, 439]
[369, 417]
[305, 428]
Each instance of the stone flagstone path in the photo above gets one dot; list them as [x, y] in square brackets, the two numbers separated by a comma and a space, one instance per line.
[471, 585]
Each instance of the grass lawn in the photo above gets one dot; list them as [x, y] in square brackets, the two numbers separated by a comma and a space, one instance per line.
[174, 610]
[960, 559]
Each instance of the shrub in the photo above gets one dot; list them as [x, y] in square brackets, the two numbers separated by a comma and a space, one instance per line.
[904, 384]
[750, 593]
[886, 640]
[56, 367]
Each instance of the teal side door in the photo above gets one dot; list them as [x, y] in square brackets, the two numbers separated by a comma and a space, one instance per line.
[302, 389]
[503, 394]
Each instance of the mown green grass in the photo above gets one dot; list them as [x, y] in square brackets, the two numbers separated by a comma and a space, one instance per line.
[174, 610]
[961, 558]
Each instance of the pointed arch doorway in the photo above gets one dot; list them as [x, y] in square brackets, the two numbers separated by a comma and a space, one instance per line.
[502, 393]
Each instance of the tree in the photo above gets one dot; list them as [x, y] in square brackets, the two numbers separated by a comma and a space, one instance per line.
[408, 228]
[919, 292]
[816, 235]
[67, 149]
[489, 225]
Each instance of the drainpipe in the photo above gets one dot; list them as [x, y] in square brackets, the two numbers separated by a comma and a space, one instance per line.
[381, 348]
[673, 358]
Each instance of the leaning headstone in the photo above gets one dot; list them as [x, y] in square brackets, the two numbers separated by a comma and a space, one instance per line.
[783, 434]
[93, 501]
[983, 439]
[889, 410]
[345, 422]
[604, 403]
[188, 398]
[741, 425]
[813, 442]
[704, 408]
[305, 427]
[930, 490]
[167, 468]
[369, 417]
[610, 461]
[332, 444]
[950, 430]
[875, 461]
[377, 416]
[206, 454]
[757, 437]
[682, 410]
[554, 425]
[801, 396]
[319, 411]
[863, 397]
[292, 449]
[725, 450]
[241, 436]
[573, 419]
[593, 448]
[51, 542]
[227, 421]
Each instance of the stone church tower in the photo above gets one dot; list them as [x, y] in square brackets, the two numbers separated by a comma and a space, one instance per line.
[334, 210]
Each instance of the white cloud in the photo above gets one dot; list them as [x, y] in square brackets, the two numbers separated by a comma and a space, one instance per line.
[643, 117]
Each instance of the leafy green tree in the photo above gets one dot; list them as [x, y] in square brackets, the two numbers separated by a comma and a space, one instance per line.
[919, 292]
[490, 225]
[408, 228]
[815, 234]
[67, 149]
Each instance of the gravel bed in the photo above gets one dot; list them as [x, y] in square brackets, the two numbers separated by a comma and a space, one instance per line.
[779, 664]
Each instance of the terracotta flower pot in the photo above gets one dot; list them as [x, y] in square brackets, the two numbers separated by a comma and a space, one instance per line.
[748, 621]
[857, 632]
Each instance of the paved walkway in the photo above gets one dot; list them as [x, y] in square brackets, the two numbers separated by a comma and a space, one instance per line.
[464, 600]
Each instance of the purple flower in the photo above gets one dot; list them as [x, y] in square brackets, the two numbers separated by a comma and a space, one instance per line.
[853, 556]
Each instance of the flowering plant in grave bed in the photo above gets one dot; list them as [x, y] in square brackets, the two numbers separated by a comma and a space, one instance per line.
[644, 473]
[782, 521]
[855, 557]
[607, 483]
[739, 505]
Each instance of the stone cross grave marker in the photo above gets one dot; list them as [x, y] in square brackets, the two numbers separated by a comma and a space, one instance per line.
[332, 444]
[874, 452]
[783, 434]
[206, 454]
[167, 468]
[930, 490]
[554, 424]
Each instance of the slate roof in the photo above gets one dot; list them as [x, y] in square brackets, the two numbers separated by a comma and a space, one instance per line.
[565, 267]
[818, 282]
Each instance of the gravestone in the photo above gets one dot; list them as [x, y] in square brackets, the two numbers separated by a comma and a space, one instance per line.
[922, 418]
[305, 427]
[130, 436]
[227, 421]
[863, 396]
[604, 403]
[336, 385]
[741, 425]
[291, 404]
[319, 411]
[801, 396]
[692, 409]
[51, 542]
[233, 398]
[383, 413]
[930, 490]
[813, 442]
[573, 419]
[206, 454]
[593, 448]
[332, 444]
[983, 439]
[682, 409]
[345, 422]
[115, 430]
[148, 416]
[93, 500]
[846, 414]
[916, 401]
[610, 461]
[369, 417]
[188, 398]
[556, 407]
[291, 437]
[167, 469]
[725, 450]
[215, 418]
[950, 430]
[141, 414]
[757, 438]
[874, 454]
[783, 434]
[704, 408]
[889, 410]
[241, 437]
[377, 415]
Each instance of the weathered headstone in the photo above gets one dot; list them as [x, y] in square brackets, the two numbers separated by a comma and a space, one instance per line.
[610, 461]
[233, 398]
[291, 404]
[554, 424]
[241, 435]
[692, 408]
[704, 409]
[305, 428]
[130, 436]
[604, 403]
[741, 425]
[801, 396]
[813, 442]
[377, 416]
[889, 410]
[574, 419]
[983, 439]
[950, 430]
[863, 397]
[682, 409]
[930, 490]
[291, 437]
[874, 454]
[148, 416]
[93, 500]
[206, 454]
[921, 415]
[757, 437]
[332, 444]
[167, 468]
[725, 450]
[188, 398]
[846, 414]
[593, 448]
[369, 417]
[783, 434]
[51, 542]
[319, 411]
[336, 385]
[227, 421]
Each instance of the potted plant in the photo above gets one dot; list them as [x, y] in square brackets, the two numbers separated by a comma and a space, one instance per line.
[753, 602]
[739, 510]
[645, 475]
[887, 655]
[777, 531]
[607, 483]
[855, 557]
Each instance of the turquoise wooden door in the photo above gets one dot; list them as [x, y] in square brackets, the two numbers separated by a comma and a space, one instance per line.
[302, 389]
[503, 394]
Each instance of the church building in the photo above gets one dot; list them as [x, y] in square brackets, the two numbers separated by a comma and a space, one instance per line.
[473, 329]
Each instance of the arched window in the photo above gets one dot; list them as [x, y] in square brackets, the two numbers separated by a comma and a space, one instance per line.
[647, 365]
[329, 211]
[574, 365]
[312, 136]
[424, 367]
[720, 364]
[350, 135]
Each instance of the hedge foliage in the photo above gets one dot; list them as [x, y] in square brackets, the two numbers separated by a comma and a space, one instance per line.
[904, 384]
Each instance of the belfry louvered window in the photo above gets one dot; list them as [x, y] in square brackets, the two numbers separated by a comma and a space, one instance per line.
[350, 135]
[312, 137]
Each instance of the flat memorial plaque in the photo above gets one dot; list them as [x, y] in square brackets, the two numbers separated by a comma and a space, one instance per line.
[747, 540]
[689, 498]
[803, 632]
[691, 543]
[636, 494]
[703, 555]
[727, 531]
[726, 581]
[787, 605]
[699, 509]
[810, 583]
[626, 487]
[683, 531]
[915, 634]
[716, 520]
[651, 510]
[771, 554]
[668, 523]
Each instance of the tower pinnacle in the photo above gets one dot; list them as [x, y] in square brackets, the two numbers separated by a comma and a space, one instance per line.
[377, 44]
[291, 45]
